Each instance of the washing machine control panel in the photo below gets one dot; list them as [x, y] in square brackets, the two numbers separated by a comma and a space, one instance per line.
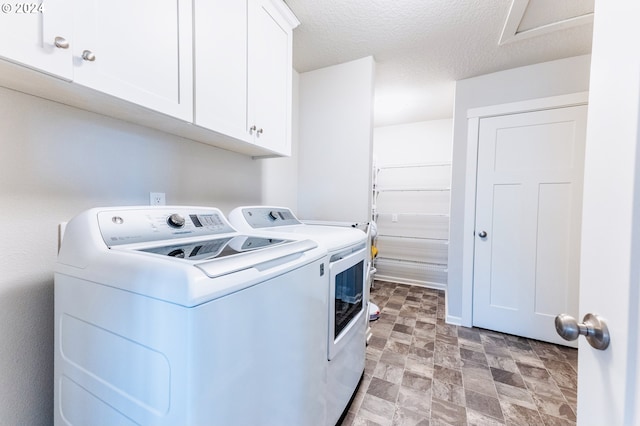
[145, 225]
[269, 217]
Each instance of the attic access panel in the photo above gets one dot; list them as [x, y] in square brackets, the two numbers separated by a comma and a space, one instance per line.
[531, 18]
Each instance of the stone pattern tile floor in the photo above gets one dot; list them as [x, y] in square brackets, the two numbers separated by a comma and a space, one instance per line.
[422, 371]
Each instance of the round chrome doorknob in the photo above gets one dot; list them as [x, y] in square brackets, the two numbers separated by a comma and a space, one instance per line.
[592, 327]
[61, 43]
[568, 328]
[482, 234]
[88, 55]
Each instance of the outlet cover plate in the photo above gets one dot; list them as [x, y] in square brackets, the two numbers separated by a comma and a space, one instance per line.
[157, 199]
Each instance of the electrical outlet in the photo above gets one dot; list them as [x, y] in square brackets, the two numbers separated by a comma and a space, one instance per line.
[157, 199]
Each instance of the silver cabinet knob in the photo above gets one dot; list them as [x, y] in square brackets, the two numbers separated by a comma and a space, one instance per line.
[252, 129]
[592, 327]
[482, 234]
[88, 55]
[61, 42]
[260, 131]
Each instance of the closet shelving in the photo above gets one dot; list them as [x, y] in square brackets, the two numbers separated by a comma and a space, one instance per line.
[411, 209]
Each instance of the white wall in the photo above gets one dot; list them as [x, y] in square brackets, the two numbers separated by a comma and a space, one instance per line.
[547, 79]
[336, 110]
[280, 175]
[56, 161]
[421, 142]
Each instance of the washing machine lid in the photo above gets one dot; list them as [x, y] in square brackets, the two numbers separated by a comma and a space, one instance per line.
[222, 256]
[281, 222]
[215, 248]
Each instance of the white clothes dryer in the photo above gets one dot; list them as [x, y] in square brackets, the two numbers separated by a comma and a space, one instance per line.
[346, 265]
[169, 316]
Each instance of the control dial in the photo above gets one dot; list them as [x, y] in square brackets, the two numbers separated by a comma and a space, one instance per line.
[175, 221]
[273, 215]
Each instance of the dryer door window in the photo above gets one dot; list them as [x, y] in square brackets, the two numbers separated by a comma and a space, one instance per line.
[348, 297]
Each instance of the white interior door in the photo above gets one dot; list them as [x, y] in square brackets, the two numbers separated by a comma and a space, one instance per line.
[528, 215]
[609, 380]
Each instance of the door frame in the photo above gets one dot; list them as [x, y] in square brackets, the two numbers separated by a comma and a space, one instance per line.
[474, 116]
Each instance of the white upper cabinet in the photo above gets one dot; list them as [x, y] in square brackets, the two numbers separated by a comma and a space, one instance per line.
[220, 63]
[243, 71]
[140, 51]
[215, 71]
[270, 75]
[38, 35]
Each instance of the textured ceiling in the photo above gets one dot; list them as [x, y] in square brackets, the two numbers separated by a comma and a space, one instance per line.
[422, 47]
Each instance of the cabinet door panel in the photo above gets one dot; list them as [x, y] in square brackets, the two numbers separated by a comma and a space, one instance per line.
[30, 36]
[143, 51]
[269, 78]
[221, 66]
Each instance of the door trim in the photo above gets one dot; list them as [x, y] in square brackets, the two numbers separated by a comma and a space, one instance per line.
[474, 116]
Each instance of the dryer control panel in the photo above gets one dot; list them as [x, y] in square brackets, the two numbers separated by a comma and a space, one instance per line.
[269, 217]
[137, 225]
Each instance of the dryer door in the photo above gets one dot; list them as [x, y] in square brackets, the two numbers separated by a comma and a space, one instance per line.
[346, 298]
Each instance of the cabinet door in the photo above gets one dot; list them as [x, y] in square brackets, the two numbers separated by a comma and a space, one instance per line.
[30, 35]
[141, 51]
[221, 67]
[270, 74]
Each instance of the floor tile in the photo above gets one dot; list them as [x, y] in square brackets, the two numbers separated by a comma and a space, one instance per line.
[472, 369]
[406, 417]
[483, 386]
[448, 392]
[376, 409]
[518, 415]
[507, 377]
[388, 372]
[475, 418]
[416, 401]
[515, 395]
[416, 381]
[383, 389]
[483, 403]
[450, 413]
[447, 375]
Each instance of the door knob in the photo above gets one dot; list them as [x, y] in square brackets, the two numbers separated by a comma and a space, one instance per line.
[482, 234]
[593, 328]
[252, 129]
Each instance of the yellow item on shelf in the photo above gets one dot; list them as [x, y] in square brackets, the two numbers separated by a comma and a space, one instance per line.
[374, 251]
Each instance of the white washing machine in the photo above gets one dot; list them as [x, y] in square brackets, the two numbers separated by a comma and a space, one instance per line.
[168, 316]
[346, 262]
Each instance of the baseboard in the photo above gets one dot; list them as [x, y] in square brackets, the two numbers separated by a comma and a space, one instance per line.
[418, 283]
[450, 319]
